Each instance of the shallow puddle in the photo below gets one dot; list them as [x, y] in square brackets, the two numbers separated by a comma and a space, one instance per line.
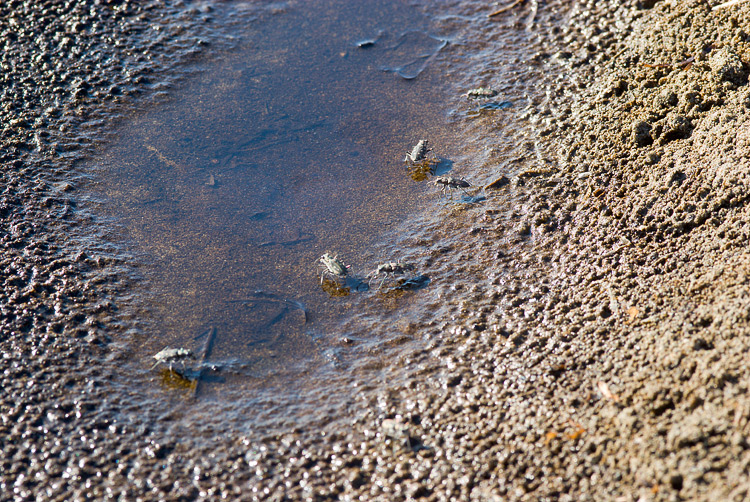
[289, 147]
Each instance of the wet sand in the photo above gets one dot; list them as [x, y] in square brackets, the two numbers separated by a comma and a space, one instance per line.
[591, 336]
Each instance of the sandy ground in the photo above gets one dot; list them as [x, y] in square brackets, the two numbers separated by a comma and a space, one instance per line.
[597, 350]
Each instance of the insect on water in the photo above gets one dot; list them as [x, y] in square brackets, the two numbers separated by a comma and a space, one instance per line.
[481, 92]
[333, 267]
[451, 183]
[419, 152]
[171, 356]
[391, 269]
[397, 430]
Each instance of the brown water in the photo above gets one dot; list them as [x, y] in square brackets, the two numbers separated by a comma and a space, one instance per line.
[289, 146]
[285, 148]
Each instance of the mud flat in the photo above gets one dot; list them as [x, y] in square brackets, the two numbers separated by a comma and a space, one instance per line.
[588, 340]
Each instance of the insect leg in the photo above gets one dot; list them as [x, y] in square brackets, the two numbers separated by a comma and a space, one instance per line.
[385, 276]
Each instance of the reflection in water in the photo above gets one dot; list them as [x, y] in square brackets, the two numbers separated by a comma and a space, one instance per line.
[421, 171]
[174, 379]
[334, 289]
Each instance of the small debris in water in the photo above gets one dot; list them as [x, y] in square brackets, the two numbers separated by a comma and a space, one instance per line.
[504, 9]
[205, 354]
[498, 183]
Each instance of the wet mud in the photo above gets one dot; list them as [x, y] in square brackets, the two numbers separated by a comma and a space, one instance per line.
[583, 332]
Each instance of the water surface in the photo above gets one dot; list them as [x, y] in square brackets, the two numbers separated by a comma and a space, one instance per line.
[287, 147]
